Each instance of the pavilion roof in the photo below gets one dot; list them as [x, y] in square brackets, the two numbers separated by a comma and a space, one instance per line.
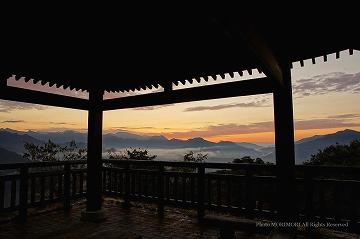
[121, 53]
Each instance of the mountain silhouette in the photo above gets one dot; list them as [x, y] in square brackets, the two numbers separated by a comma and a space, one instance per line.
[7, 156]
[304, 148]
[12, 140]
[59, 137]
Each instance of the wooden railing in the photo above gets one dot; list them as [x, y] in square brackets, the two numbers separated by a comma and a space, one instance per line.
[247, 190]
[237, 188]
[330, 194]
[323, 193]
[28, 185]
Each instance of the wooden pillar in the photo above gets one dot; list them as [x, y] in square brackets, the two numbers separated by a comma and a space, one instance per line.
[284, 143]
[94, 153]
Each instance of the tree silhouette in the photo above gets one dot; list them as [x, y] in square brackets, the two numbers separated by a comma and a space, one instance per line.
[248, 159]
[344, 155]
[131, 153]
[53, 152]
[198, 158]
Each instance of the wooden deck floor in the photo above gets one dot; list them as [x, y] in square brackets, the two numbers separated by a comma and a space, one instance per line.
[140, 221]
[120, 223]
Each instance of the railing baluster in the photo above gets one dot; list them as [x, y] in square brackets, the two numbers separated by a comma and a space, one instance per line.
[160, 190]
[33, 190]
[337, 203]
[13, 193]
[81, 183]
[115, 182]
[154, 189]
[131, 184]
[51, 188]
[184, 189]
[273, 198]
[111, 181]
[127, 186]
[322, 201]
[104, 179]
[192, 191]
[74, 182]
[200, 192]
[110, 177]
[309, 191]
[209, 189]
[139, 183]
[23, 201]
[134, 183]
[60, 185]
[121, 186]
[218, 192]
[260, 195]
[42, 190]
[146, 184]
[239, 202]
[2, 193]
[249, 194]
[85, 183]
[354, 225]
[67, 175]
[167, 187]
[228, 191]
[175, 188]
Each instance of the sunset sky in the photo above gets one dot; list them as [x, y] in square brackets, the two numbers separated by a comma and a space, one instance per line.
[326, 99]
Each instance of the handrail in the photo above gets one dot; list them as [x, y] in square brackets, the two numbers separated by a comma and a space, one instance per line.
[227, 165]
[191, 164]
[314, 168]
[39, 164]
[179, 164]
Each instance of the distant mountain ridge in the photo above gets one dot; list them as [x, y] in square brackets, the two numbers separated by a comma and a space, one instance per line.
[304, 148]
[13, 140]
[59, 137]
[120, 139]
[7, 156]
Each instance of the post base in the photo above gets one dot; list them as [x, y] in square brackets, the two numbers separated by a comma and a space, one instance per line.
[93, 216]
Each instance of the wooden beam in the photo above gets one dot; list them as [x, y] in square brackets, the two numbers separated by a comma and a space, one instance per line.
[268, 62]
[41, 98]
[257, 45]
[233, 89]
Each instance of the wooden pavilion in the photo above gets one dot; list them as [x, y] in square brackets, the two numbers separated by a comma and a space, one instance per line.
[118, 53]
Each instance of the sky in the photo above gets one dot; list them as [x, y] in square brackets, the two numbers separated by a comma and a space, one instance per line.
[326, 98]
